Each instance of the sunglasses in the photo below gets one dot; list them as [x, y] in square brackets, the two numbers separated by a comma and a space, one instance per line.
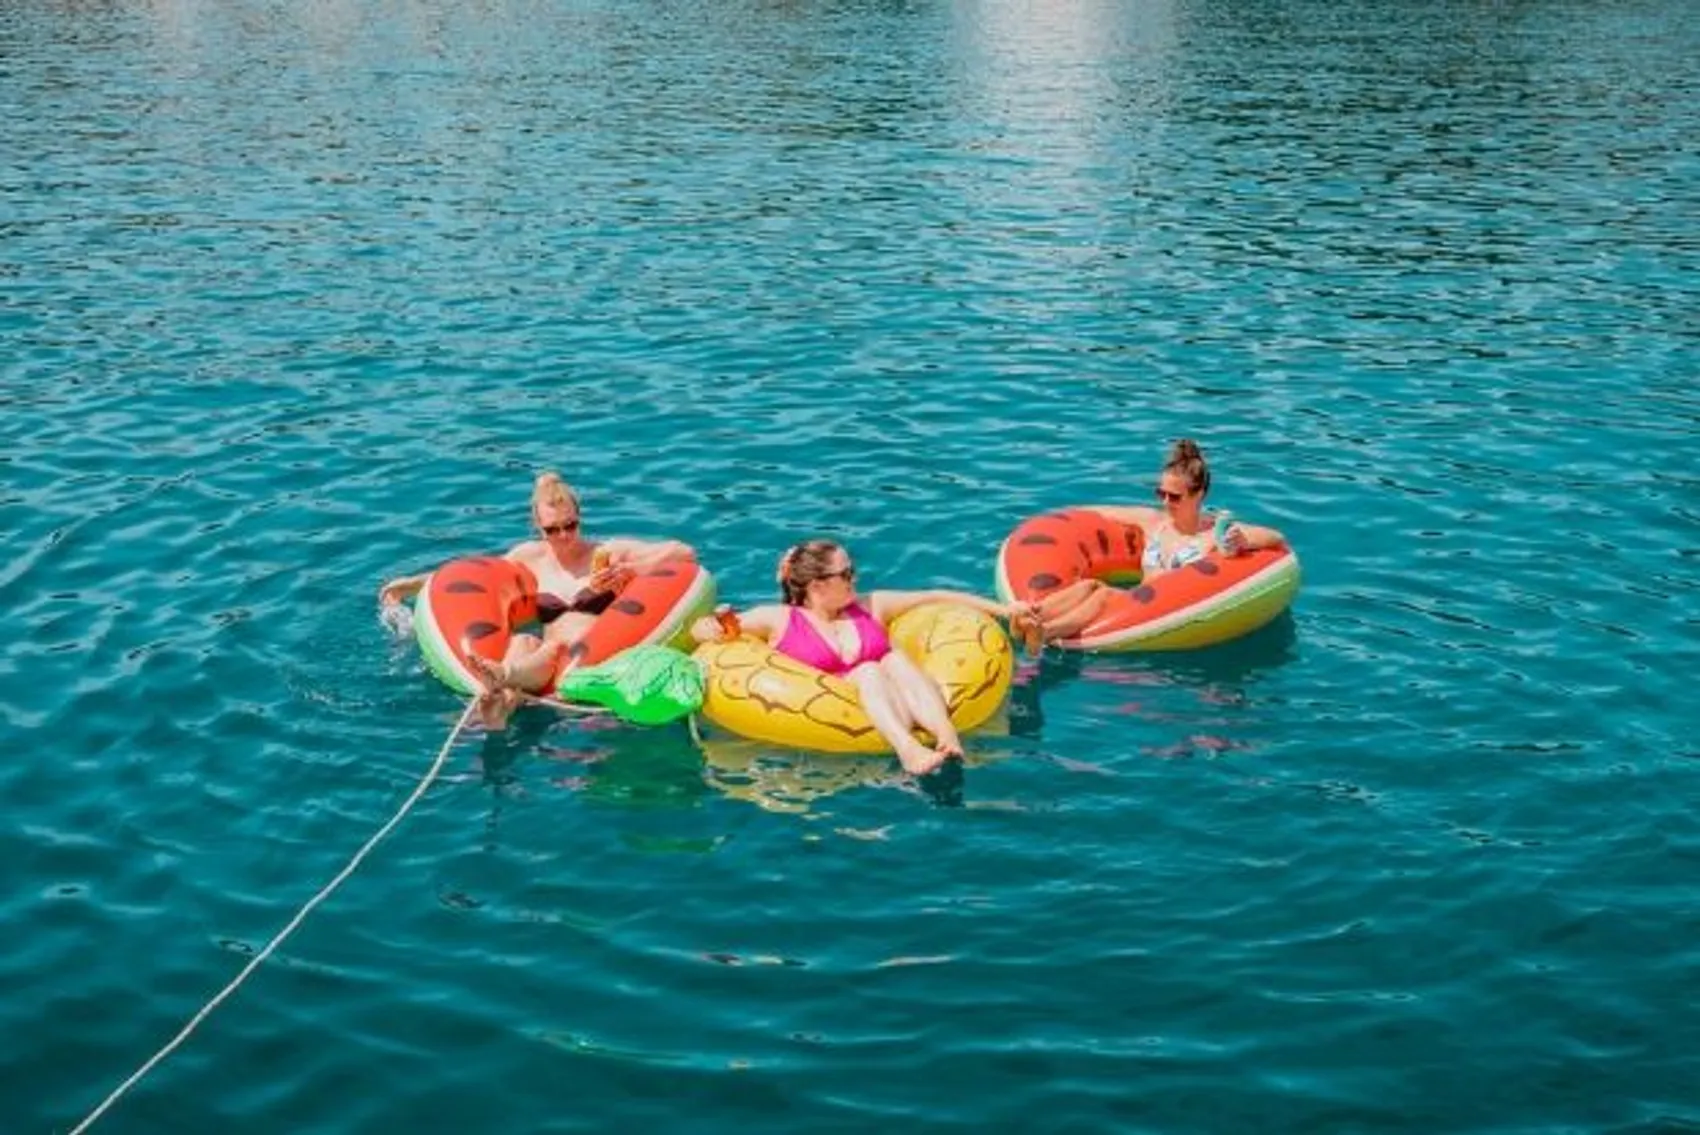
[566, 529]
[1170, 498]
[848, 575]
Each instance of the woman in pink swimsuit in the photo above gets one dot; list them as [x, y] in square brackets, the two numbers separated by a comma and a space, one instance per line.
[823, 623]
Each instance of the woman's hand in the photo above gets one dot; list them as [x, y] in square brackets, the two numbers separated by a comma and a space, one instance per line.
[398, 591]
[1241, 538]
[708, 629]
[608, 579]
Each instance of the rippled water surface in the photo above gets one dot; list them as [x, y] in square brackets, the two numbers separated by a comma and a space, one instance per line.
[294, 297]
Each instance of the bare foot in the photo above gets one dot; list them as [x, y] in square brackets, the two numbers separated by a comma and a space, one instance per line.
[496, 706]
[1028, 631]
[919, 759]
[498, 700]
[490, 675]
[946, 741]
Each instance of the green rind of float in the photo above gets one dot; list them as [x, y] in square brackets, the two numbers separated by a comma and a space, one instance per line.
[435, 647]
[693, 605]
[1273, 595]
[1000, 575]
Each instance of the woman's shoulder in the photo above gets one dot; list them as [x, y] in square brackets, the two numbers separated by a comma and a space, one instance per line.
[526, 550]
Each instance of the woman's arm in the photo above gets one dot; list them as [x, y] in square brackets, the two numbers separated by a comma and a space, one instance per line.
[401, 590]
[888, 605]
[766, 623]
[1251, 537]
[641, 555]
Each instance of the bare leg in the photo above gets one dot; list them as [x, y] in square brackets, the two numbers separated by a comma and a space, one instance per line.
[525, 668]
[498, 699]
[886, 708]
[924, 699]
[531, 662]
[1067, 612]
[568, 628]
[1064, 598]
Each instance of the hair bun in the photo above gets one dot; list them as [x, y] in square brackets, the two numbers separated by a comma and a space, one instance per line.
[1186, 450]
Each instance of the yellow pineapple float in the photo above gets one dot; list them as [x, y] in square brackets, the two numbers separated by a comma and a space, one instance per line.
[758, 693]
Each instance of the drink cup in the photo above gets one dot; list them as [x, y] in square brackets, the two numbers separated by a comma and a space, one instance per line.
[1219, 531]
[730, 628]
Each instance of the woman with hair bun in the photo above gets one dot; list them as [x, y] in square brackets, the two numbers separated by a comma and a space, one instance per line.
[577, 578]
[823, 623]
[1178, 531]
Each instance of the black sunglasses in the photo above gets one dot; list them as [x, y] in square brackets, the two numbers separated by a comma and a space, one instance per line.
[566, 529]
[848, 575]
[1172, 498]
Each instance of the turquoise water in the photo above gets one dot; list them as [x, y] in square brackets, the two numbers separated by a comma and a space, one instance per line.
[294, 297]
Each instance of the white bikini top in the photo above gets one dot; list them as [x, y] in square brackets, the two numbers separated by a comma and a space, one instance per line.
[1160, 555]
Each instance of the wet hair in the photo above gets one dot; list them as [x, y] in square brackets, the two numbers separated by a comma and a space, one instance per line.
[802, 565]
[1187, 460]
[550, 491]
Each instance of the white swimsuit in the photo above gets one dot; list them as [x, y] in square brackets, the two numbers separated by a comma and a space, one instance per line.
[1160, 556]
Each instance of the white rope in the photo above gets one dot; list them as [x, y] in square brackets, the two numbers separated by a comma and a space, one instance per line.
[300, 916]
[570, 708]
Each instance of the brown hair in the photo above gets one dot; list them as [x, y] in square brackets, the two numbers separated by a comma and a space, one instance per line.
[1187, 460]
[550, 490]
[801, 566]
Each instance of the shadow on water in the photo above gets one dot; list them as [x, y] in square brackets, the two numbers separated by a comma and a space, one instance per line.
[1241, 661]
[660, 769]
[665, 768]
[604, 760]
[1231, 665]
[788, 780]
[784, 780]
[1208, 680]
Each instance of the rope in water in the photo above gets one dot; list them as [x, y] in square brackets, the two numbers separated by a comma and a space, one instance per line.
[300, 916]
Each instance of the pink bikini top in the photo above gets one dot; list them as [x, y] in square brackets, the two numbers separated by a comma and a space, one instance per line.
[806, 644]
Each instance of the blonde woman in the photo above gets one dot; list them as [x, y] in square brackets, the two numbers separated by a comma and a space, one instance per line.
[577, 578]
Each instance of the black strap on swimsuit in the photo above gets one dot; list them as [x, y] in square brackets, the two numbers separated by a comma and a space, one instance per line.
[587, 602]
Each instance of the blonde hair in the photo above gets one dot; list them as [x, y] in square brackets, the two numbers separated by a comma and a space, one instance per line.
[549, 491]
